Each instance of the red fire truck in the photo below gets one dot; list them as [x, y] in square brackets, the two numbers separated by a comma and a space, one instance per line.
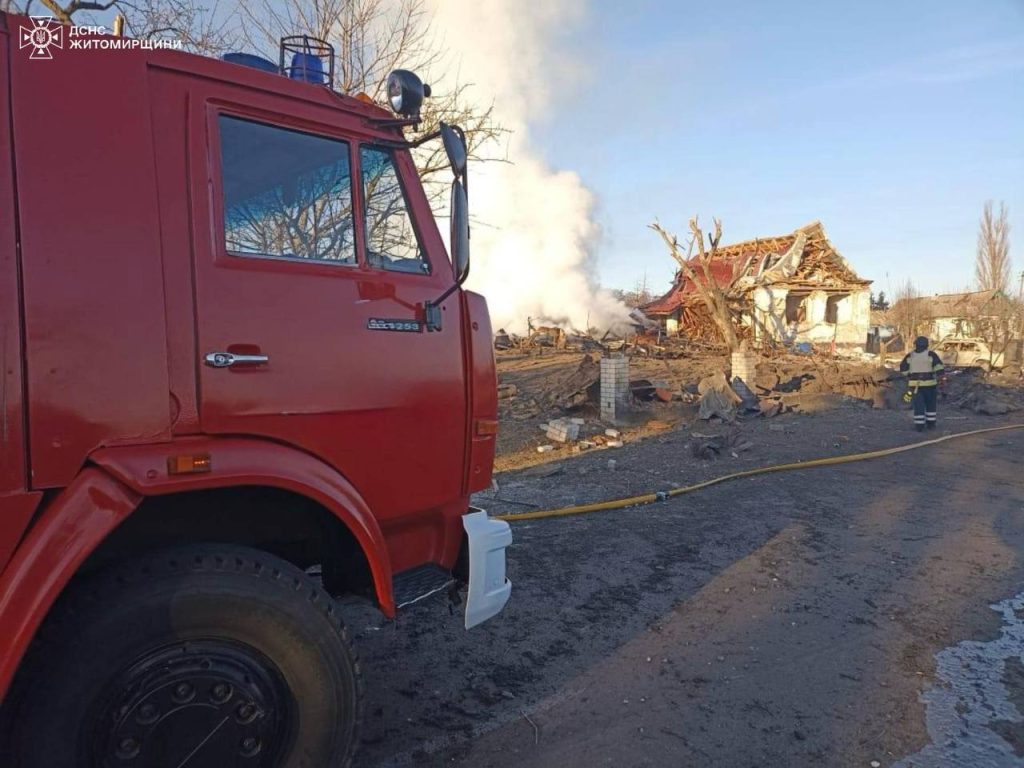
[238, 377]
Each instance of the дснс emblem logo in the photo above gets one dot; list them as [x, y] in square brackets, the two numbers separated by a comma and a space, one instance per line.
[44, 34]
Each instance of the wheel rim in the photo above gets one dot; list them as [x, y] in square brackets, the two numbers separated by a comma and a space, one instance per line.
[196, 704]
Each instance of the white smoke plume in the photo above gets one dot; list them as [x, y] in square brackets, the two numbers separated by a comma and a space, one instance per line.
[534, 234]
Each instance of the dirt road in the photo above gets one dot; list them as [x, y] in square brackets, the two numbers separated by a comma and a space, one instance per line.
[785, 620]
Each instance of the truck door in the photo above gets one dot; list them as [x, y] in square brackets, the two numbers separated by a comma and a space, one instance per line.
[13, 469]
[307, 328]
[16, 502]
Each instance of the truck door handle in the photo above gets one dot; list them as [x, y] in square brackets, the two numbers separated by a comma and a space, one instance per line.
[228, 359]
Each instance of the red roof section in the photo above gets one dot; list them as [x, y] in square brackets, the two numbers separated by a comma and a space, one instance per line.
[721, 273]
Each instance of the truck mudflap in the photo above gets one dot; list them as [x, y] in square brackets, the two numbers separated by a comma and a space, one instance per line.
[489, 589]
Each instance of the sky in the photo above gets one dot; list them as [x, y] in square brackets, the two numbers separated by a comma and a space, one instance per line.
[891, 123]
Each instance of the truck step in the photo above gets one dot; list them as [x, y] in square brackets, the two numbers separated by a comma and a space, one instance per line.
[419, 583]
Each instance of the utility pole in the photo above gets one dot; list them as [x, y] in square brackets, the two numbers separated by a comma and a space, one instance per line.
[1020, 323]
[1020, 301]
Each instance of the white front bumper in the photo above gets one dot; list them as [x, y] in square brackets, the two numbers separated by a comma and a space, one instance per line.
[489, 590]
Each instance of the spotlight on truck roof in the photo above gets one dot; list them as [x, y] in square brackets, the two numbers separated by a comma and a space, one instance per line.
[406, 93]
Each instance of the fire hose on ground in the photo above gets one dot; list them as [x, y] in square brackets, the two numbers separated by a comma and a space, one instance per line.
[651, 498]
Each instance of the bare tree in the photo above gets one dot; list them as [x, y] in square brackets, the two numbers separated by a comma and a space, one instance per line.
[63, 13]
[712, 294]
[907, 314]
[637, 297]
[371, 38]
[992, 263]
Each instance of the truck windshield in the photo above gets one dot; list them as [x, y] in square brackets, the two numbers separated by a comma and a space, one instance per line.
[391, 241]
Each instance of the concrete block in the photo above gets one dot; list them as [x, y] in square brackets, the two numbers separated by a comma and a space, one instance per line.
[744, 366]
[563, 432]
[614, 387]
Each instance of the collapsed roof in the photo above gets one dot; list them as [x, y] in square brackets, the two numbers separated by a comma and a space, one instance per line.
[804, 259]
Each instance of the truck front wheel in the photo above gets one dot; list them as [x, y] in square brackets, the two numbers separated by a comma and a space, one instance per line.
[209, 655]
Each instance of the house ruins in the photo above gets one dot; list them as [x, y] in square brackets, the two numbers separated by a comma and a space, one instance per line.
[782, 290]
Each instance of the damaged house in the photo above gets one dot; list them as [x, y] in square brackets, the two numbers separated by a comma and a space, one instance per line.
[988, 315]
[787, 289]
[977, 313]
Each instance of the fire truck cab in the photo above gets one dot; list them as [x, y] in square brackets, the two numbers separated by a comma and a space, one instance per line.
[238, 377]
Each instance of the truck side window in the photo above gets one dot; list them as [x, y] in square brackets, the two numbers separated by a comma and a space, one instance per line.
[391, 241]
[287, 194]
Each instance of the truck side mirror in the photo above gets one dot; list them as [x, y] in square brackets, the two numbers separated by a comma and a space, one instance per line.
[455, 147]
[460, 232]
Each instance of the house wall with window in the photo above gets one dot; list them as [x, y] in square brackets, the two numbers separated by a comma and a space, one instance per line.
[818, 316]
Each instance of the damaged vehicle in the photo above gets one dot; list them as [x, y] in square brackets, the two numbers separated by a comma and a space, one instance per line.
[970, 352]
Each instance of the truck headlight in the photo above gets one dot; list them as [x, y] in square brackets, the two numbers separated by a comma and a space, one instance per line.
[406, 93]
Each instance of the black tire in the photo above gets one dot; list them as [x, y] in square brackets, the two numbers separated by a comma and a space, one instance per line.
[139, 663]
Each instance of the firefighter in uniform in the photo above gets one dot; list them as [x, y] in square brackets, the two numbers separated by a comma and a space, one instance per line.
[923, 368]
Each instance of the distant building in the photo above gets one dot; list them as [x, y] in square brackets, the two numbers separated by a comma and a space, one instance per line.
[789, 288]
[976, 313]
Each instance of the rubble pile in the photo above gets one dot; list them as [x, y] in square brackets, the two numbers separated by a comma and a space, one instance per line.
[712, 446]
[543, 340]
[810, 375]
[777, 386]
[664, 347]
[581, 385]
[578, 435]
[989, 394]
[717, 398]
[561, 394]
[559, 391]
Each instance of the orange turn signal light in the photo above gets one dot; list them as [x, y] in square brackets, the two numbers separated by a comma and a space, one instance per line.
[486, 427]
[190, 464]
